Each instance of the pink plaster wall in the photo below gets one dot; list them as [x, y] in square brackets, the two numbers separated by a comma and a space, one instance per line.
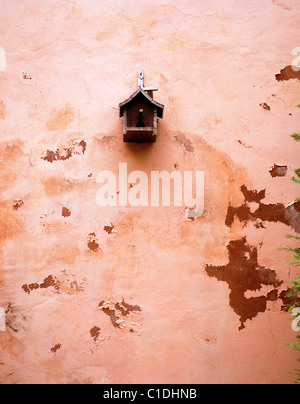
[125, 294]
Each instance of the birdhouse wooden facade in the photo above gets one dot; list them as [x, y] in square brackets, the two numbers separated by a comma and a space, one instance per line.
[140, 113]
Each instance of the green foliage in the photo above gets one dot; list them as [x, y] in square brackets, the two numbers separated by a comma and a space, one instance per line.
[289, 235]
[296, 136]
[296, 346]
[296, 180]
[295, 256]
[294, 290]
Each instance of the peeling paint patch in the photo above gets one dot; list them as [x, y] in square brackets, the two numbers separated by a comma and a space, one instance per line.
[126, 308]
[68, 283]
[287, 73]
[65, 212]
[64, 283]
[92, 242]
[109, 312]
[253, 196]
[95, 332]
[117, 313]
[265, 213]
[278, 170]
[185, 142]
[55, 348]
[110, 229]
[78, 148]
[48, 282]
[242, 274]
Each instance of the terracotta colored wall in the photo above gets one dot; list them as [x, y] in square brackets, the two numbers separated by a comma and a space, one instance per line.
[143, 294]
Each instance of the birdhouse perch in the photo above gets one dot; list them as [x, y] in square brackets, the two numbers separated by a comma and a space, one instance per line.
[140, 113]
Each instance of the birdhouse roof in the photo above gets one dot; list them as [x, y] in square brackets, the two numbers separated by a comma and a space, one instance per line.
[155, 104]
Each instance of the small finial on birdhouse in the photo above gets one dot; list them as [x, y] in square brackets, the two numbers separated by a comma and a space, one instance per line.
[140, 79]
[141, 82]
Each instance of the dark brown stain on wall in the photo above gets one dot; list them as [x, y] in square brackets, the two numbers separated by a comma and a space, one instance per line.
[288, 73]
[109, 229]
[48, 282]
[92, 242]
[126, 308]
[55, 348]
[111, 313]
[65, 212]
[278, 170]
[242, 274]
[95, 332]
[253, 196]
[265, 212]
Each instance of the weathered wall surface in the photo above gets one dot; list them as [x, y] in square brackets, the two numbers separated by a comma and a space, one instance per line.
[143, 294]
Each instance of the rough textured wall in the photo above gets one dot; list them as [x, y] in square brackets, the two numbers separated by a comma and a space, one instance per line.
[144, 294]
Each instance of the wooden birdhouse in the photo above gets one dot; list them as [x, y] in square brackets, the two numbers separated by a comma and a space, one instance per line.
[140, 113]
